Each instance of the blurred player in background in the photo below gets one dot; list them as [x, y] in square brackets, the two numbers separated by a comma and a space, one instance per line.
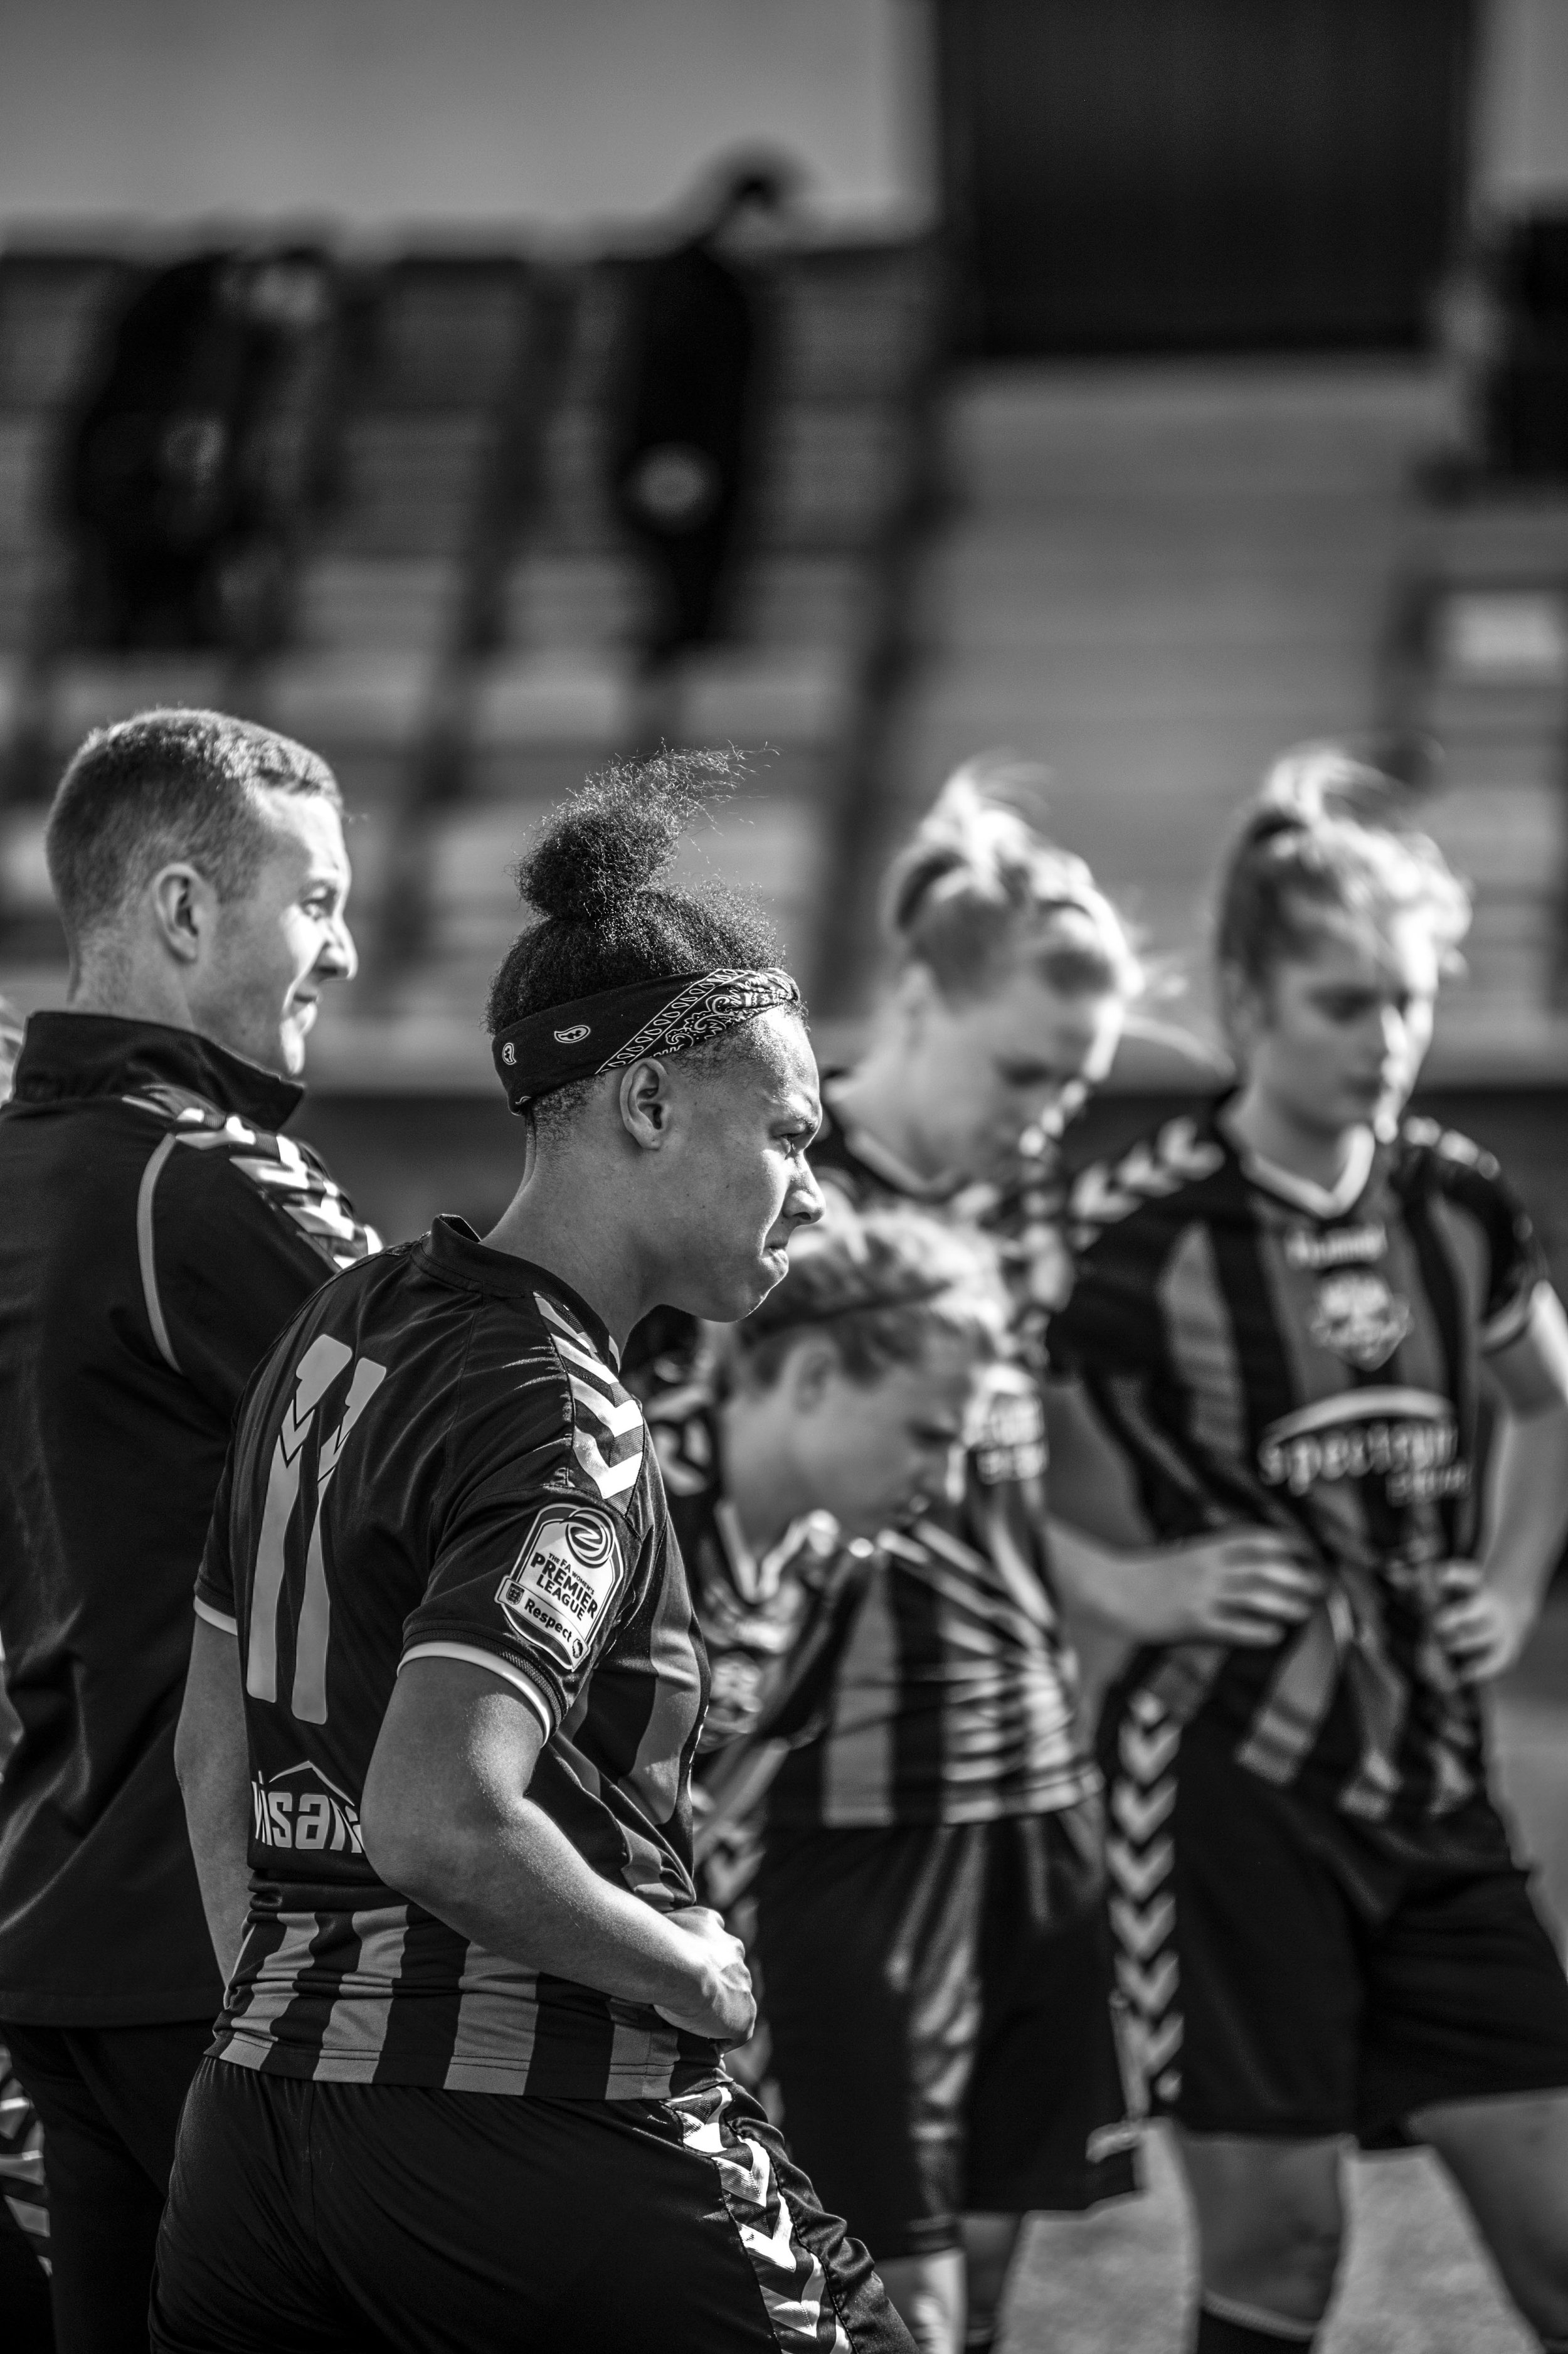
[1280, 1320]
[833, 1412]
[468, 2086]
[931, 1919]
[157, 1234]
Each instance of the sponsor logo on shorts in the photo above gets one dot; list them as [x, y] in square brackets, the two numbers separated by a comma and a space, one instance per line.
[1358, 1319]
[1408, 1438]
[561, 1583]
[301, 1811]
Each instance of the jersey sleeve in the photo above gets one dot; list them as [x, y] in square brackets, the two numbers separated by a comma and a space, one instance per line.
[226, 1262]
[214, 1595]
[1514, 1264]
[535, 1569]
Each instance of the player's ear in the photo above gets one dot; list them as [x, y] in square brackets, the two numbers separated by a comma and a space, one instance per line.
[645, 1099]
[807, 1372]
[184, 908]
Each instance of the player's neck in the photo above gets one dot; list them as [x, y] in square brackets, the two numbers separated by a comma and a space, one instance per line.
[873, 1101]
[1319, 1156]
[759, 1477]
[117, 979]
[549, 1222]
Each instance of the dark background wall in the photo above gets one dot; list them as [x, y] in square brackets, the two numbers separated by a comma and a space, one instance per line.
[1158, 175]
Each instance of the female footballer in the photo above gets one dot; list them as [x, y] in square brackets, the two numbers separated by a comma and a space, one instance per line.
[930, 1902]
[1284, 1311]
[468, 2086]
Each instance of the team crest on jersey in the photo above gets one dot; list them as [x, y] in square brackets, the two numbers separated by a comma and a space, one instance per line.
[563, 1581]
[1359, 1319]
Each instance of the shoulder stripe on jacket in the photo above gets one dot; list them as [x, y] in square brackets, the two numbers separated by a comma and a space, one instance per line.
[145, 1255]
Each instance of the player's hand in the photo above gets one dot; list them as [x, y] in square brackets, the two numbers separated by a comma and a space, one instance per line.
[1247, 1587]
[1482, 1631]
[720, 2003]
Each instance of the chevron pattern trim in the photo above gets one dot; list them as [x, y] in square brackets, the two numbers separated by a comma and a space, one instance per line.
[1139, 1858]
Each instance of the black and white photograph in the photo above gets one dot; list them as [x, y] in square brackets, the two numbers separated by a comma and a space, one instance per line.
[784, 1177]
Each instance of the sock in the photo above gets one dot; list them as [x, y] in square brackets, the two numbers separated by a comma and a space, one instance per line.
[1225, 2328]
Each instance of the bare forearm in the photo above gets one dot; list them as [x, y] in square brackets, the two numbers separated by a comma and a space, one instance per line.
[1527, 1498]
[1235, 1585]
[212, 1762]
[1119, 1591]
[1140, 1594]
[512, 1882]
[217, 1819]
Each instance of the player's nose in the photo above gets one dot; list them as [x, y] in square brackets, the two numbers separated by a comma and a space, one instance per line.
[804, 1203]
[339, 958]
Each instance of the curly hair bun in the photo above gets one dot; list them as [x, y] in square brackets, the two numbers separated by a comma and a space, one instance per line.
[616, 837]
[607, 918]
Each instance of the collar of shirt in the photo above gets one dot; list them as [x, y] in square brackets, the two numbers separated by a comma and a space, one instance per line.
[452, 1248]
[878, 1160]
[1321, 1201]
[67, 1056]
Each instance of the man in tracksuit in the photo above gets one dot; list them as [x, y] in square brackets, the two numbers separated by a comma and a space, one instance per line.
[156, 1232]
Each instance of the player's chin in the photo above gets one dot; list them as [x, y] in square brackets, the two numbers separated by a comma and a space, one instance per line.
[296, 1026]
[768, 1270]
[725, 1295]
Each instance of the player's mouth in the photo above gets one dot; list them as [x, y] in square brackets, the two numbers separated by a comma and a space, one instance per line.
[299, 1014]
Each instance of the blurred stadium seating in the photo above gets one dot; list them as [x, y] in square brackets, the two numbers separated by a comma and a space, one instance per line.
[1156, 579]
[453, 615]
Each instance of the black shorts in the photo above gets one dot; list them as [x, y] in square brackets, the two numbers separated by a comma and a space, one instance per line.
[390, 2219]
[1293, 1973]
[939, 2001]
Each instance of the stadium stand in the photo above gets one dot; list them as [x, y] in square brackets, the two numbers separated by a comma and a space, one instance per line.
[1480, 666]
[440, 597]
[1155, 579]
[1477, 658]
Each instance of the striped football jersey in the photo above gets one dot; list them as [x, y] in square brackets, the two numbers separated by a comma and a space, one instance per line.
[953, 1695]
[1263, 1353]
[437, 1461]
[750, 1606]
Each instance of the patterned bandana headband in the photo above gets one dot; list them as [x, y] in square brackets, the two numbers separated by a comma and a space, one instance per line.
[607, 1031]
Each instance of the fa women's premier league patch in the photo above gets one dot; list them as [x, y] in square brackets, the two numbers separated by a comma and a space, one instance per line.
[563, 1581]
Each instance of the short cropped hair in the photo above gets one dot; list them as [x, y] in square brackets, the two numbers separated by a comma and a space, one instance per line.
[162, 786]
